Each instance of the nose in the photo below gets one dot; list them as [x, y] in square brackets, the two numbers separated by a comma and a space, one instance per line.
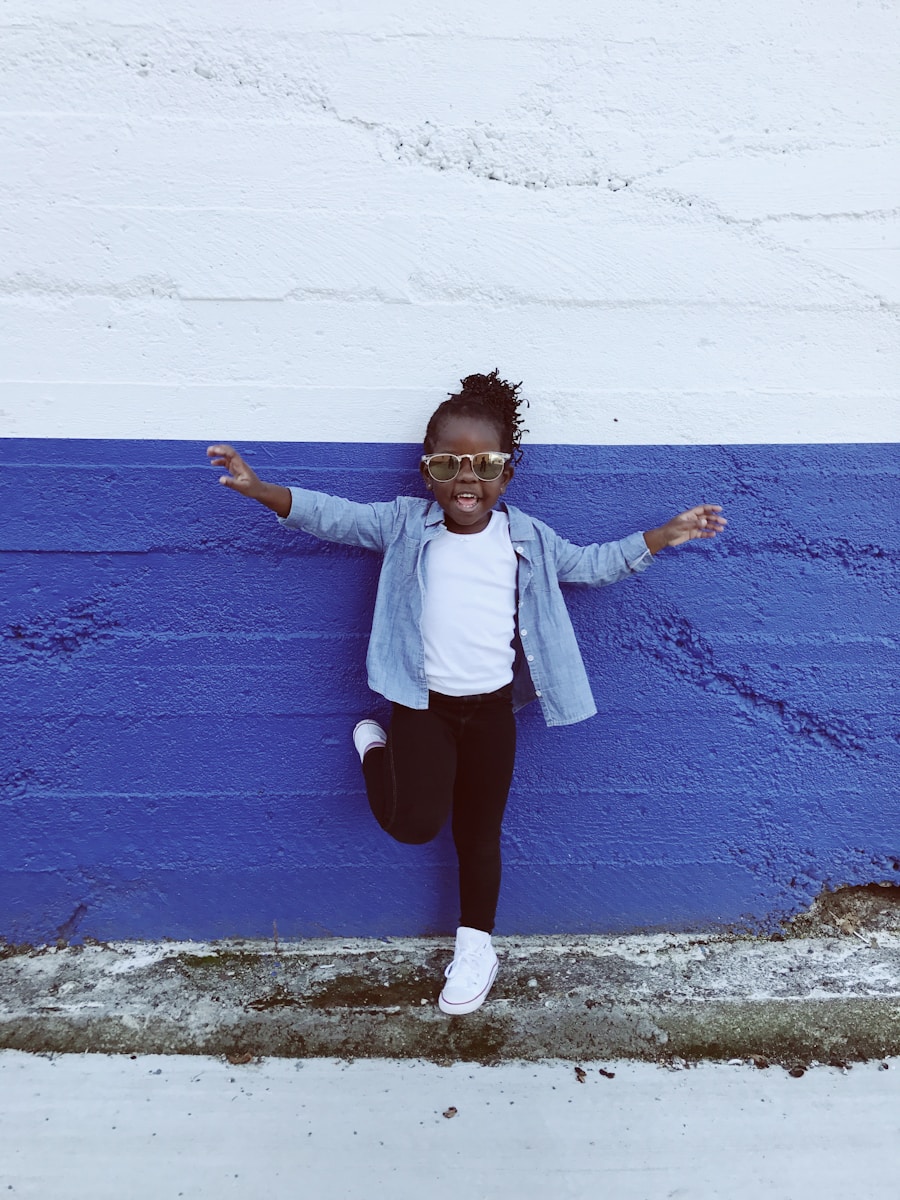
[466, 470]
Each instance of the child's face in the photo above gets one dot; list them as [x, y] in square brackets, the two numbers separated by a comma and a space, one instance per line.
[467, 500]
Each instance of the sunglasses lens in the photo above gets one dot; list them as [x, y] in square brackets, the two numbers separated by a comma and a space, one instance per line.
[443, 467]
[488, 466]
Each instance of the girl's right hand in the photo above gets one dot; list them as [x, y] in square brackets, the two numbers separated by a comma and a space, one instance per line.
[243, 479]
[240, 478]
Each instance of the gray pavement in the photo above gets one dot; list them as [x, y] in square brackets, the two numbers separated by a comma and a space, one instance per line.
[92, 1127]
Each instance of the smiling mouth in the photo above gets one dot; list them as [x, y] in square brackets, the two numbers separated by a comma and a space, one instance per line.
[467, 501]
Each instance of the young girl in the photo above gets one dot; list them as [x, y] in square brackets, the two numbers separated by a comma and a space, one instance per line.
[469, 625]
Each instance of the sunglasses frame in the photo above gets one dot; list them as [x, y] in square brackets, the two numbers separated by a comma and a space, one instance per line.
[426, 459]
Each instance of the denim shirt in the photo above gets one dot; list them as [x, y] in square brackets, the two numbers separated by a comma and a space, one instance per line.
[548, 664]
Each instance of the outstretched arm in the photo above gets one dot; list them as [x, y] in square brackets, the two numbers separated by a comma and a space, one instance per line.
[324, 516]
[700, 522]
[242, 478]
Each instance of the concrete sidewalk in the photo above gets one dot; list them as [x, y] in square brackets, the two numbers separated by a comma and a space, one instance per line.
[659, 997]
[97, 1127]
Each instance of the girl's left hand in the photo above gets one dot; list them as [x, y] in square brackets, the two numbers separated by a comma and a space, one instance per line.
[700, 522]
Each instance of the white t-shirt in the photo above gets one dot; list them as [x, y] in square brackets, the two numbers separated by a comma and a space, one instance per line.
[468, 616]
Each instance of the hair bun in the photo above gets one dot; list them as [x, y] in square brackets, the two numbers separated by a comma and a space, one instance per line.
[502, 398]
[485, 396]
[489, 387]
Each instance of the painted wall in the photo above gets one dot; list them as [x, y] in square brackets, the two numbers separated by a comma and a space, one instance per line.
[295, 228]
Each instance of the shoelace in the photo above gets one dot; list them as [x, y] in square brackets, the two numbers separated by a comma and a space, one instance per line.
[467, 963]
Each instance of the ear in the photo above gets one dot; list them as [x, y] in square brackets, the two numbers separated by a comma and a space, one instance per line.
[508, 472]
[423, 471]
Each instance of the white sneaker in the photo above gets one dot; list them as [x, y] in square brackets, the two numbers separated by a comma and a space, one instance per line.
[470, 975]
[366, 735]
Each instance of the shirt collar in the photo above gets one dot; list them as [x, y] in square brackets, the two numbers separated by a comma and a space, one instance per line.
[434, 515]
[521, 528]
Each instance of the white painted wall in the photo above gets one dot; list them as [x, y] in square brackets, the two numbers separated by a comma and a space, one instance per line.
[676, 222]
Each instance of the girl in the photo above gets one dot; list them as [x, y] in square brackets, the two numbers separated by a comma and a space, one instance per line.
[469, 625]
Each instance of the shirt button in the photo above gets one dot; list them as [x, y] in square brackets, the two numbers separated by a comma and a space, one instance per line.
[531, 658]
[518, 549]
[538, 693]
[524, 633]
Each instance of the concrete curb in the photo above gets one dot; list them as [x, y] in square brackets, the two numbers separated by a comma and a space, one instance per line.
[657, 997]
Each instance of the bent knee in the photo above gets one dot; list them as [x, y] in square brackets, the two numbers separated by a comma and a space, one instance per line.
[414, 833]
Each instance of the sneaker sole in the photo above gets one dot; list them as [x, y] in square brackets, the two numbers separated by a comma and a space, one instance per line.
[467, 1006]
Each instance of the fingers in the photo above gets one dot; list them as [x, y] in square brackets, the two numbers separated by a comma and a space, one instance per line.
[240, 477]
[701, 521]
[226, 456]
[706, 519]
[706, 531]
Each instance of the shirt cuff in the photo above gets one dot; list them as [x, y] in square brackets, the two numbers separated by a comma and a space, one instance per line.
[293, 519]
[636, 552]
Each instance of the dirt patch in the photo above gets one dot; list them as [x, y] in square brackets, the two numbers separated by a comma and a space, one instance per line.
[872, 908]
[404, 984]
[13, 950]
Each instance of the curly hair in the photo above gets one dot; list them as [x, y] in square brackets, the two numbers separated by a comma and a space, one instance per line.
[489, 398]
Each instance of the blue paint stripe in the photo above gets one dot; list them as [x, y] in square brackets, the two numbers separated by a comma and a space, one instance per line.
[179, 674]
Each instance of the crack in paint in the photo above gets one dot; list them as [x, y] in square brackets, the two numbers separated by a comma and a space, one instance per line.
[863, 561]
[487, 153]
[65, 931]
[20, 284]
[57, 636]
[15, 784]
[860, 560]
[686, 654]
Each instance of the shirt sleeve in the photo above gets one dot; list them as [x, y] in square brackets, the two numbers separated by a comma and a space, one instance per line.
[604, 563]
[338, 520]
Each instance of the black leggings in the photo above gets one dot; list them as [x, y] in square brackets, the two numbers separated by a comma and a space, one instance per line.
[457, 754]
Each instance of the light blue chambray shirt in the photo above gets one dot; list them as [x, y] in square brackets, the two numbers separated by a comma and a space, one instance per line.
[548, 665]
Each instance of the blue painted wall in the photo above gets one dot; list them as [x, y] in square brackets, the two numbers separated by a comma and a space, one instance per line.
[179, 677]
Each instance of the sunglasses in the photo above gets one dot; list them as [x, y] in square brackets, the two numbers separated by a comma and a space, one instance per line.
[487, 465]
